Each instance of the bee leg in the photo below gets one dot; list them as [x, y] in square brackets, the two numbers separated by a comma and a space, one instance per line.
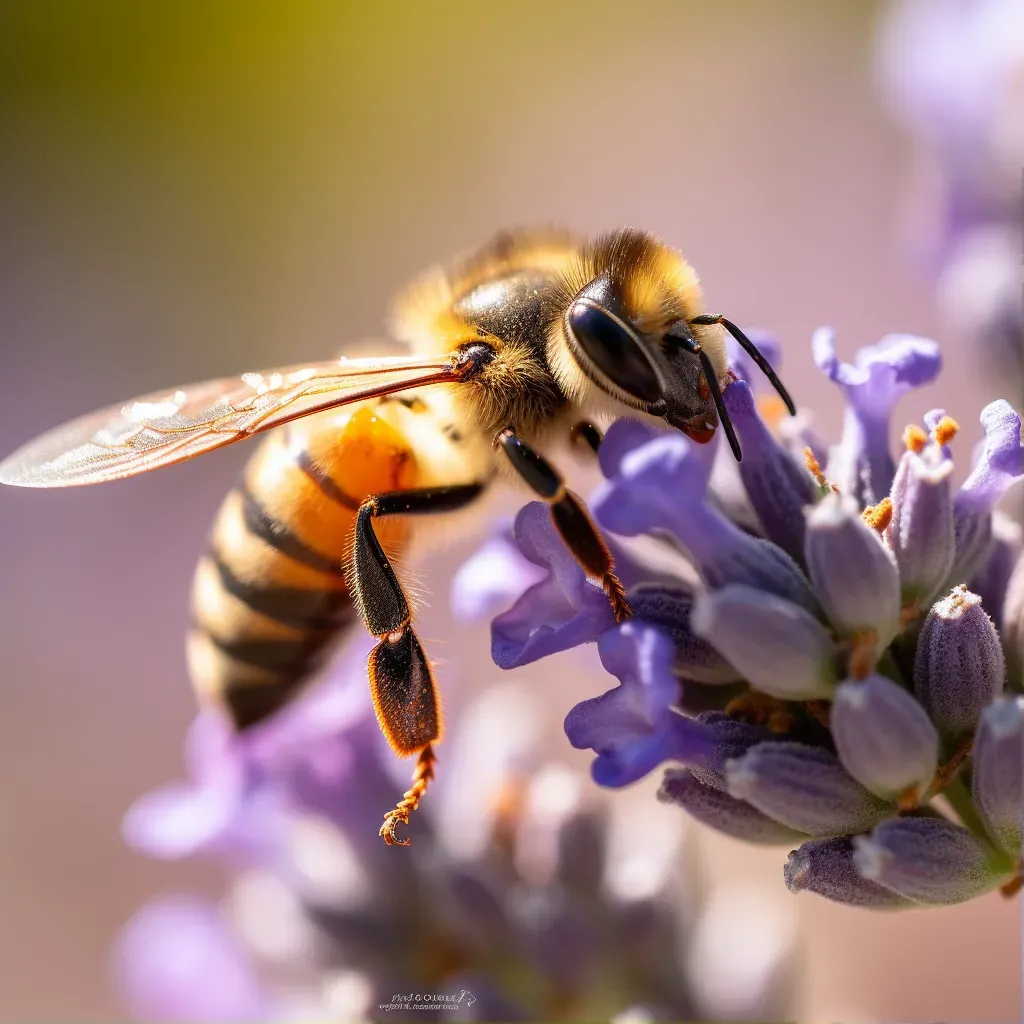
[588, 434]
[401, 681]
[570, 516]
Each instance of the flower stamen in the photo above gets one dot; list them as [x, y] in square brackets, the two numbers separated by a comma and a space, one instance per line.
[945, 430]
[878, 516]
[814, 468]
[914, 438]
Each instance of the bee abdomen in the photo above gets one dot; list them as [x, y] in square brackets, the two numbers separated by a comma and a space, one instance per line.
[270, 595]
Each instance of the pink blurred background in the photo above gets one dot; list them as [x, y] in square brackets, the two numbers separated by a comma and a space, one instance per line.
[197, 190]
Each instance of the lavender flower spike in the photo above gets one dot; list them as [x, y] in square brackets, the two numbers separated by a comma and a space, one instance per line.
[921, 532]
[998, 781]
[884, 738]
[779, 488]
[959, 666]
[852, 570]
[862, 465]
[777, 646]
[825, 867]
[805, 788]
[634, 727]
[720, 811]
[930, 860]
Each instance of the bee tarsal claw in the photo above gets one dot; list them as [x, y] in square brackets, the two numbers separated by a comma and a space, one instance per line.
[387, 830]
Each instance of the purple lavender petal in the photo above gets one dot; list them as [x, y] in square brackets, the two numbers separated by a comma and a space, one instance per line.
[779, 488]
[1002, 459]
[621, 438]
[992, 581]
[745, 368]
[562, 611]
[862, 465]
[722, 812]
[825, 867]
[777, 646]
[662, 485]
[633, 728]
[998, 780]
[884, 738]
[921, 532]
[930, 860]
[491, 579]
[176, 960]
[959, 667]
[670, 608]
[805, 788]
[853, 572]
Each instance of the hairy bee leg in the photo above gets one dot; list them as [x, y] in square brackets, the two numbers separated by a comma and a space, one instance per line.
[401, 682]
[588, 434]
[570, 516]
[752, 350]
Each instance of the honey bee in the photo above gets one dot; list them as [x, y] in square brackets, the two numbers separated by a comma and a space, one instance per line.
[532, 338]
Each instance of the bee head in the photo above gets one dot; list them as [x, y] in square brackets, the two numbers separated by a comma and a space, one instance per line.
[658, 373]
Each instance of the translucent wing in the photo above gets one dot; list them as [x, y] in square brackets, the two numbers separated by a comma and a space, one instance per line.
[170, 426]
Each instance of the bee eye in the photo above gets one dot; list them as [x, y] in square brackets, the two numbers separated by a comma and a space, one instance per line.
[614, 350]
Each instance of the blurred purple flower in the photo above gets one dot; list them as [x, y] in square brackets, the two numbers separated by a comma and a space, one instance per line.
[513, 875]
[868, 663]
[951, 73]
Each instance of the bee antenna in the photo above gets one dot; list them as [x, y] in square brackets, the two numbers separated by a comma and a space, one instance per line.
[752, 350]
[716, 397]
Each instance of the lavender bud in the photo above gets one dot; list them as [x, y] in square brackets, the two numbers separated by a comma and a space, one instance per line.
[930, 860]
[805, 788]
[722, 812]
[853, 573]
[669, 608]
[991, 577]
[779, 488]
[959, 666]
[778, 647]
[998, 780]
[732, 738]
[825, 867]
[884, 738]
[921, 532]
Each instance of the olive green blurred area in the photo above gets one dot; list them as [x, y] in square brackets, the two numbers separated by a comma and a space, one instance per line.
[195, 189]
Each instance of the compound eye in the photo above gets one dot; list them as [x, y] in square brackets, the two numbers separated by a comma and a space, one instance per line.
[614, 350]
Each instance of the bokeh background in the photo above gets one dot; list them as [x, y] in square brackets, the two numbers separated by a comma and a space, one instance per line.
[194, 189]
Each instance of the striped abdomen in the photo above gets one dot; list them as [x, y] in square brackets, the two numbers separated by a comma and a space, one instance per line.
[270, 594]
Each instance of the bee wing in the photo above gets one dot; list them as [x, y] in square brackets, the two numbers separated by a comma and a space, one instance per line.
[173, 425]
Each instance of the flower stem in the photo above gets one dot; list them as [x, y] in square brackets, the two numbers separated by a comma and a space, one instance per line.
[960, 800]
